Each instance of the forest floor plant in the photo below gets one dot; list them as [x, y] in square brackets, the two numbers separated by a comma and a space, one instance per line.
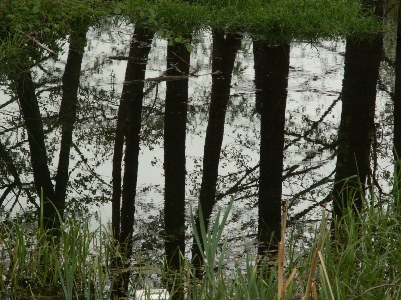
[365, 264]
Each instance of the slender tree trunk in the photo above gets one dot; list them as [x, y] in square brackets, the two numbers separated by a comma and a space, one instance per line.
[68, 110]
[53, 199]
[224, 52]
[178, 62]
[131, 101]
[271, 79]
[361, 71]
[116, 173]
[119, 146]
[397, 114]
[36, 139]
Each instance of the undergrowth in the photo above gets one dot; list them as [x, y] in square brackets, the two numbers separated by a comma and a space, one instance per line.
[364, 264]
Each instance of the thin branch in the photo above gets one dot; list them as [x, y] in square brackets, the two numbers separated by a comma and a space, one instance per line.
[7, 103]
[171, 77]
[89, 168]
[315, 124]
[43, 46]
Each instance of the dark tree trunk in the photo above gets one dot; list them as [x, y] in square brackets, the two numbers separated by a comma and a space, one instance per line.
[34, 126]
[116, 172]
[397, 114]
[178, 62]
[131, 101]
[224, 52]
[271, 79]
[119, 144]
[68, 109]
[361, 71]
[53, 200]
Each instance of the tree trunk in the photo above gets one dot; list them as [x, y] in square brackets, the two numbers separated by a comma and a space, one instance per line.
[131, 101]
[271, 79]
[36, 139]
[68, 109]
[361, 71]
[178, 62]
[224, 52]
[53, 200]
[397, 114]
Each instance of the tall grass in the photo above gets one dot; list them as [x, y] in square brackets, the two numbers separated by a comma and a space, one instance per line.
[74, 265]
[364, 264]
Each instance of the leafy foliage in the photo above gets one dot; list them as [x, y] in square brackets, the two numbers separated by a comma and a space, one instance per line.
[32, 29]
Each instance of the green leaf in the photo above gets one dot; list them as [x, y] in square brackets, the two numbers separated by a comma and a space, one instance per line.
[189, 47]
[36, 9]
[117, 10]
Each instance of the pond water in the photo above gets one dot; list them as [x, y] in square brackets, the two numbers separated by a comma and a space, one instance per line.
[312, 120]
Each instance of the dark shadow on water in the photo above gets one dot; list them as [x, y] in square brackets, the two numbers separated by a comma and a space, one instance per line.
[272, 65]
[357, 128]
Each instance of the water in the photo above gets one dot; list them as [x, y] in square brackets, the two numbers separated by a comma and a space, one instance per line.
[312, 120]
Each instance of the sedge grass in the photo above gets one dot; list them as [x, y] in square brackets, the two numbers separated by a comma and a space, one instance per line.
[364, 264]
[71, 266]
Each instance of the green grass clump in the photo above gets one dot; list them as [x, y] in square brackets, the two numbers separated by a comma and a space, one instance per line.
[359, 259]
[274, 19]
[74, 265]
[33, 29]
[365, 263]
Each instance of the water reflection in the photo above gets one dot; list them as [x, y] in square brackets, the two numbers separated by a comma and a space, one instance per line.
[357, 129]
[128, 130]
[272, 65]
[223, 57]
[175, 120]
[223, 116]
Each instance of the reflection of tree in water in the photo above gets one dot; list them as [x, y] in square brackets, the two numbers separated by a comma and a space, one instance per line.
[52, 195]
[355, 135]
[128, 135]
[224, 52]
[308, 140]
[175, 120]
[308, 148]
[272, 65]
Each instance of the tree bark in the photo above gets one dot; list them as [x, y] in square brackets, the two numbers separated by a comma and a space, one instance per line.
[36, 139]
[131, 101]
[68, 110]
[397, 114]
[178, 63]
[224, 52]
[271, 79]
[361, 72]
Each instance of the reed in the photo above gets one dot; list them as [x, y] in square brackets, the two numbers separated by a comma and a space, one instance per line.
[364, 264]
